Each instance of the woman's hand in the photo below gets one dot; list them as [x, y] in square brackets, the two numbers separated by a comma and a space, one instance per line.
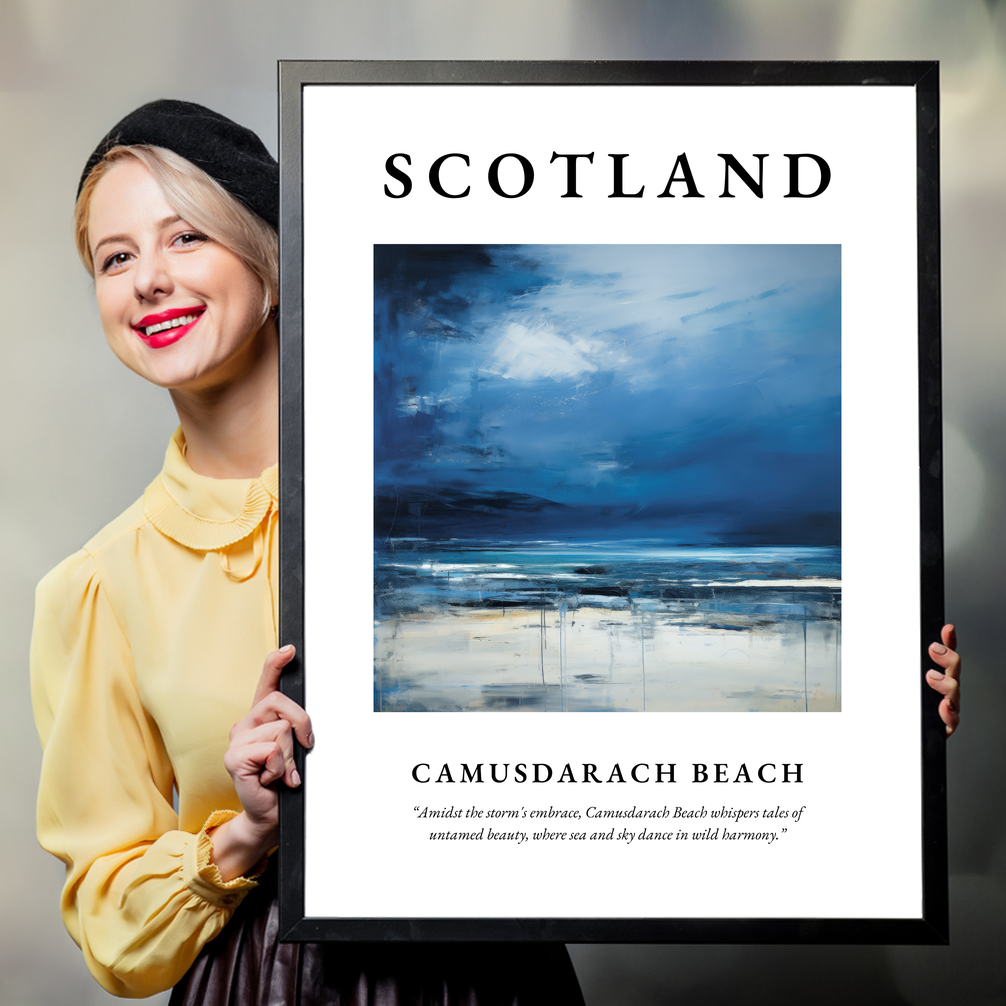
[947, 682]
[260, 753]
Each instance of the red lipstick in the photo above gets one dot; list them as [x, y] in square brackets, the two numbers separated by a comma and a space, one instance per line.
[165, 332]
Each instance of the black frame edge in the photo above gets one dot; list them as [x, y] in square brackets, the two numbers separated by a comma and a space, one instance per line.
[594, 72]
[934, 805]
[849, 932]
[291, 452]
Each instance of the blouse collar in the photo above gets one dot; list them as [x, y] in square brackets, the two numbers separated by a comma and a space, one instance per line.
[204, 513]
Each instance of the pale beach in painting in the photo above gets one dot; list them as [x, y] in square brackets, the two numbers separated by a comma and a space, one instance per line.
[675, 657]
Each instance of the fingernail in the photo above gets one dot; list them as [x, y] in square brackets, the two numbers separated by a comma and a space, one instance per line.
[938, 648]
[310, 740]
[936, 675]
[287, 649]
[295, 777]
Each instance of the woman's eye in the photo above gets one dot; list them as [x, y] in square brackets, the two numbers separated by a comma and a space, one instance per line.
[190, 238]
[114, 261]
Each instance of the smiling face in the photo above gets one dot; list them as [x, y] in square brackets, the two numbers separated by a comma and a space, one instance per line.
[177, 307]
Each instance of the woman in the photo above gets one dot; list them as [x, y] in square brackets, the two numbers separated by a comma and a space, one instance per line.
[148, 643]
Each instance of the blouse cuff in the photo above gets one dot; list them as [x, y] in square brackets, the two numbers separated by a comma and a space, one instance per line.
[202, 876]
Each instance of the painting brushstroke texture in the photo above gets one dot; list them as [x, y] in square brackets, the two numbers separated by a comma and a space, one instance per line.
[607, 477]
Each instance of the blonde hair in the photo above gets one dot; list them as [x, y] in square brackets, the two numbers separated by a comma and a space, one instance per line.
[199, 200]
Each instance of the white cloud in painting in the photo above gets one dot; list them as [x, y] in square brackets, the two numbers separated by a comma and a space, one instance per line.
[528, 354]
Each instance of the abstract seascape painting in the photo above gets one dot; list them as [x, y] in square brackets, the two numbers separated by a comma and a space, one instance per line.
[607, 477]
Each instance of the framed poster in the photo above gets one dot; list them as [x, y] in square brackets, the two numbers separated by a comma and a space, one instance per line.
[611, 501]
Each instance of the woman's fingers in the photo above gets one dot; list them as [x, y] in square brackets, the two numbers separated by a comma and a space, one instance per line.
[949, 688]
[274, 766]
[261, 749]
[261, 761]
[277, 706]
[949, 712]
[946, 681]
[270, 703]
[949, 636]
[278, 735]
[945, 655]
[271, 671]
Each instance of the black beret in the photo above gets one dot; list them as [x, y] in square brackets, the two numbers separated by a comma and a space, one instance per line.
[231, 154]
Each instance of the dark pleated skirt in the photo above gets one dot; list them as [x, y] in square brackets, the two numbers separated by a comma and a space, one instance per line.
[246, 965]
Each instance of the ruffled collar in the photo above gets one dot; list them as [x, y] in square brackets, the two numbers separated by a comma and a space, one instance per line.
[203, 513]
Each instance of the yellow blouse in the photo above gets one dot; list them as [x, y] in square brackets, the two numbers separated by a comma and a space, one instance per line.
[147, 647]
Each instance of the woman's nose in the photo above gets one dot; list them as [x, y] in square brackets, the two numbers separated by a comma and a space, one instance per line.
[152, 277]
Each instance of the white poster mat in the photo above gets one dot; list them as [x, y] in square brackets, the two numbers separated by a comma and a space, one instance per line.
[855, 849]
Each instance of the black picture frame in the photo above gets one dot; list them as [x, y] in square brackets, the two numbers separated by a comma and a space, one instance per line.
[931, 927]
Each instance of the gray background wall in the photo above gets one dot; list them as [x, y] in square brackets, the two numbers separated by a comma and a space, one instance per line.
[82, 436]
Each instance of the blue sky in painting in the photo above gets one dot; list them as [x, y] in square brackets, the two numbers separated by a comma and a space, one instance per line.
[687, 392]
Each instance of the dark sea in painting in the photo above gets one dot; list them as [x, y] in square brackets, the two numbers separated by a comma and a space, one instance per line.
[607, 477]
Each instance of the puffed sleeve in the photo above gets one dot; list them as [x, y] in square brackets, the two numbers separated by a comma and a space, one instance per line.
[141, 898]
